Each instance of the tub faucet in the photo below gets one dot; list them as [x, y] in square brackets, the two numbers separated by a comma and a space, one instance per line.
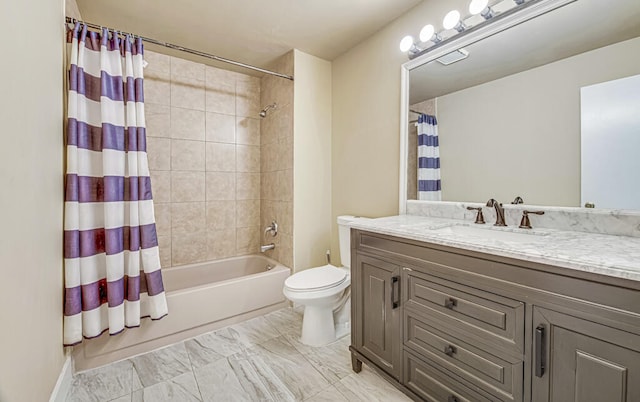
[267, 247]
[499, 212]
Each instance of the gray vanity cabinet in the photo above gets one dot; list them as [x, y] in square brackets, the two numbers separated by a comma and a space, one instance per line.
[579, 360]
[444, 324]
[375, 301]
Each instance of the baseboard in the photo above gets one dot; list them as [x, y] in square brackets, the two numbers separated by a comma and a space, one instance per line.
[63, 385]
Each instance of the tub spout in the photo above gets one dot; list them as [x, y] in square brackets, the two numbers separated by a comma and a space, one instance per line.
[267, 247]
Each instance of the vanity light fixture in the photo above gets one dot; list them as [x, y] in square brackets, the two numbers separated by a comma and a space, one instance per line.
[408, 45]
[428, 33]
[481, 7]
[452, 21]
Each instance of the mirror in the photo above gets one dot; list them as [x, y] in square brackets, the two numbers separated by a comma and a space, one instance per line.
[509, 114]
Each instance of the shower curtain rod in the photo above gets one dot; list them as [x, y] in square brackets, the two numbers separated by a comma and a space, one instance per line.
[186, 50]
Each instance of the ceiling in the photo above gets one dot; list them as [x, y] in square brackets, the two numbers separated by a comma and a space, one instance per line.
[250, 31]
[573, 29]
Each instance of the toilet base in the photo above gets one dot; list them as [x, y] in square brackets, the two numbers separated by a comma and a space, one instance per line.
[317, 326]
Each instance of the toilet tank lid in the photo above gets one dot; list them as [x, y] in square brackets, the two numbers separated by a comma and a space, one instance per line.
[346, 219]
[316, 278]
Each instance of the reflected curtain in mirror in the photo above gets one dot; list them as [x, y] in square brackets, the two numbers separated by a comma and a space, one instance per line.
[429, 184]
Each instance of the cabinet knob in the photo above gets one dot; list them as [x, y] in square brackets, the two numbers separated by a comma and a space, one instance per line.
[449, 350]
[453, 398]
[450, 303]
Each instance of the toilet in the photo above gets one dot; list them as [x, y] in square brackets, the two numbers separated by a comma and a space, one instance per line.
[325, 294]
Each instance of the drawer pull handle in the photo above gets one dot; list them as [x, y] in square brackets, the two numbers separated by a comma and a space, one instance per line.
[395, 292]
[449, 350]
[450, 303]
[453, 398]
[540, 352]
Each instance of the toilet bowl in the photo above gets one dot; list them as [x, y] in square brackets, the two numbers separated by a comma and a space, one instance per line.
[325, 294]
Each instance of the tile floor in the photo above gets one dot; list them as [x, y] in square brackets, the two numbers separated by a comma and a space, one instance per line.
[257, 360]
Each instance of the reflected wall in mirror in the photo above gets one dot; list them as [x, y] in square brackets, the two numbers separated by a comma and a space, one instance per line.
[509, 115]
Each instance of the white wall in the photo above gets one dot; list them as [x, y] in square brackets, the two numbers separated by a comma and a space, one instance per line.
[31, 205]
[365, 139]
[311, 160]
[520, 135]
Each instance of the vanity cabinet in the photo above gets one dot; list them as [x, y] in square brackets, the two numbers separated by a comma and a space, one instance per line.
[468, 326]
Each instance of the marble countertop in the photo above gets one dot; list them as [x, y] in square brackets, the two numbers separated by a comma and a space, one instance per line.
[616, 256]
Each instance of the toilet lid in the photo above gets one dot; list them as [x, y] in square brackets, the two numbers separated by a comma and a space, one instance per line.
[319, 278]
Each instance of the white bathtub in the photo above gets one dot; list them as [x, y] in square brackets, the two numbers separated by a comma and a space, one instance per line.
[201, 297]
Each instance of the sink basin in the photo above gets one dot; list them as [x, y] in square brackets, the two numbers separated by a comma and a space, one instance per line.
[490, 233]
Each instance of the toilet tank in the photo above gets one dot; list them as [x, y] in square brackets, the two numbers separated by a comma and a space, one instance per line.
[344, 236]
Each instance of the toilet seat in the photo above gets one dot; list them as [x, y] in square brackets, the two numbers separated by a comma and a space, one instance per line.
[316, 279]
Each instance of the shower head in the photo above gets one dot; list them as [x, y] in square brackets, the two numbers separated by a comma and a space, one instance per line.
[263, 112]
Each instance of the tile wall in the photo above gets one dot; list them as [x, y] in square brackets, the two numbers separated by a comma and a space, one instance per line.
[203, 143]
[277, 159]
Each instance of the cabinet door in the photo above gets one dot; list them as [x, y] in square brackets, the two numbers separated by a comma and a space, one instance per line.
[377, 313]
[579, 360]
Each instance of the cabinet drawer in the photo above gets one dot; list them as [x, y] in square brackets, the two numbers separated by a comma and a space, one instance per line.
[495, 375]
[485, 316]
[435, 386]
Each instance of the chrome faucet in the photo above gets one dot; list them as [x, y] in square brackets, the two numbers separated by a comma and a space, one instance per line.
[499, 212]
[272, 229]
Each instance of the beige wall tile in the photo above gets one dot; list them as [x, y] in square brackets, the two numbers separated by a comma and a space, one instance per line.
[221, 128]
[188, 248]
[285, 185]
[187, 186]
[284, 213]
[221, 186]
[157, 90]
[221, 157]
[159, 153]
[221, 100]
[163, 219]
[247, 158]
[268, 133]
[164, 246]
[161, 186]
[268, 185]
[247, 131]
[159, 65]
[248, 186]
[267, 212]
[158, 120]
[188, 155]
[248, 99]
[221, 215]
[217, 78]
[187, 124]
[187, 72]
[286, 250]
[221, 244]
[247, 240]
[188, 217]
[248, 213]
[187, 95]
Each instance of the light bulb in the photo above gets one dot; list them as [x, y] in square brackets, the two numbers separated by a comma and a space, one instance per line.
[477, 6]
[406, 43]
[427, 33]
[451, 19]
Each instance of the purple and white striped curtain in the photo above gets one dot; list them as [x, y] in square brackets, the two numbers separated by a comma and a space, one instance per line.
[112, 265]
[429, 184]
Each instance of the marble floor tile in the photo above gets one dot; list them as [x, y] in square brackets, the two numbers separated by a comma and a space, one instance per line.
[367, 386]
[253, 332]
[286, 321]
[208, 348]
[162, 364]
[332, 361]
[231, 380]
[182, 388]
[102, 384]
[285, 371]
[330, 394]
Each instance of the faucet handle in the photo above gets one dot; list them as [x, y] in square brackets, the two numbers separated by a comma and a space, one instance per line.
[479, 215]
[525, 223]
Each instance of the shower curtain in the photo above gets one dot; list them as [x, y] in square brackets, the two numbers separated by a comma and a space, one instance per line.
[429, 185]
[112, 265]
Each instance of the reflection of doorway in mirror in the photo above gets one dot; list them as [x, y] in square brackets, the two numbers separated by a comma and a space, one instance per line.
[426, 107]
[610, 132]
